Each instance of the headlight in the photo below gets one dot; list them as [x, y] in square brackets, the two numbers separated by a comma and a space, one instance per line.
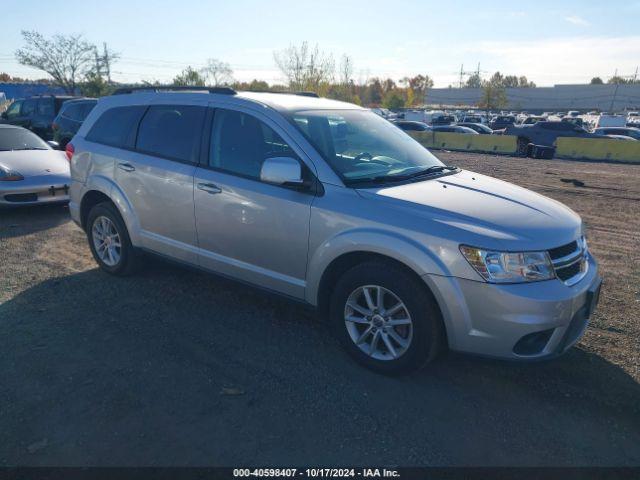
[509, 267]
[8, 175]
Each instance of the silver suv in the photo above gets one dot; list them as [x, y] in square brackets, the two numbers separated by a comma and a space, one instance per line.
[328, 203]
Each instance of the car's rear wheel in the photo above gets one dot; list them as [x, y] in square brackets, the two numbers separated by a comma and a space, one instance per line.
[386, 318]
[109, 240]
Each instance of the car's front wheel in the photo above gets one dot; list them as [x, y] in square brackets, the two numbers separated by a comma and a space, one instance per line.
[386, 318]
[109, 240]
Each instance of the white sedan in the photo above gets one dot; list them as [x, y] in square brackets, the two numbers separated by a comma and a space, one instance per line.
[31, 172]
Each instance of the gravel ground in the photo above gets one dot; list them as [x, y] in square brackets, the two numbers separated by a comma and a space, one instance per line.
[175, 367]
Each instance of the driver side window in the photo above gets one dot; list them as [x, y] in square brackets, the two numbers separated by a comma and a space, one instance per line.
[241, 142]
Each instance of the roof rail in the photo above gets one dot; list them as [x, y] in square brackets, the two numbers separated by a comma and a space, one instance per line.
[170, 88]
[300, 94]
[307, 94]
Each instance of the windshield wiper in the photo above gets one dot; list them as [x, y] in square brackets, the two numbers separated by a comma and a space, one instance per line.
[430, 171]
[399, 178]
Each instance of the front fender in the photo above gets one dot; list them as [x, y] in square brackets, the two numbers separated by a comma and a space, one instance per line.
[398, 247]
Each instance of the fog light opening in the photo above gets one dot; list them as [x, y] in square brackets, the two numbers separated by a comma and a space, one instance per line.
[532, 343]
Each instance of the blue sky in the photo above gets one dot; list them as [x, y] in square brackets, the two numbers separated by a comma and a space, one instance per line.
[548, 41]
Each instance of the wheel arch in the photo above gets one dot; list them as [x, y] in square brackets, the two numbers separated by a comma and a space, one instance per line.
[101, 189]
[346, 261]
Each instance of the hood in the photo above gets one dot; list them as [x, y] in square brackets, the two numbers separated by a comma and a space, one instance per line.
[497, 214]
[30, 163]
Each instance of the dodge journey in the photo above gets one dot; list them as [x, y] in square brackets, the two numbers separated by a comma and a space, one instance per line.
[330, 204]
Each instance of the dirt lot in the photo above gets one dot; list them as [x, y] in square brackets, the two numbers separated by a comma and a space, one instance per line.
[175, 367]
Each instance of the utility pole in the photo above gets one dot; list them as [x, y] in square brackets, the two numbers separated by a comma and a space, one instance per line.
[615, 92]
[107, 60]
[461, 74]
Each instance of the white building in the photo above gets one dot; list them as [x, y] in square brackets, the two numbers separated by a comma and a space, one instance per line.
[556, 98]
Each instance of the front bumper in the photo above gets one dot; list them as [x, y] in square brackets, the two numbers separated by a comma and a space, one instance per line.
[39, 190]
[493, 319]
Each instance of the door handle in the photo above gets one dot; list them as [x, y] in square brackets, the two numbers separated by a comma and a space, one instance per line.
[127, 167]
[209, 188]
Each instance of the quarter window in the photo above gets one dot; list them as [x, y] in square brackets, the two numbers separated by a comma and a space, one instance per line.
[73, 112]
[241, 142]
[116, 127]
[14, 109]
[172, 131]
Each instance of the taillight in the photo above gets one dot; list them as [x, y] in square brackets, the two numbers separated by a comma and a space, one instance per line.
[69, 150]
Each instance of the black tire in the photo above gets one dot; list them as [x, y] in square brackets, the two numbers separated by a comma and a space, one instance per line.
[427, 337]
[523, 147]
[128, 261]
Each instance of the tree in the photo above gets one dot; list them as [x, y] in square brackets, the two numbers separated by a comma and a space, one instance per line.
[596, 81]
[217, 73]
[305, 68]
[95, 86]
[474, 81]
[494, 95]
[67, 58]
[189, 78]
[393, 99]
[618, 80]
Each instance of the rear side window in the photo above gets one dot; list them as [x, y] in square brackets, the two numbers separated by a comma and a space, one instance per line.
[172, 131]
[86, 109]
[116, 127]
[45, 107]
[28, 107]
[72, 111]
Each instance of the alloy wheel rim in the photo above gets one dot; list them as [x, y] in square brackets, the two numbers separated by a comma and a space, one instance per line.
[106, 241]
[378, 322]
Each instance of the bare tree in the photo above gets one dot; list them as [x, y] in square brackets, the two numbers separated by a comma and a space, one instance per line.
[305, 68]
[217, 73]
[346, 70]
[67, 58]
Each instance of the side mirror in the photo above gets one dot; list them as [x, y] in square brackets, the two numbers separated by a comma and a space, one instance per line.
[54, 145]
[285, 171]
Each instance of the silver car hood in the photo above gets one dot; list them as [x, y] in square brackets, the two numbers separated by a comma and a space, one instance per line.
[30, 163]
[496, 213]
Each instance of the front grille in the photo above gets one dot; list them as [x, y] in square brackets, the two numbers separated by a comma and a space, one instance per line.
[21, 197]
[563, 251]
[570, 261]
[569, 272]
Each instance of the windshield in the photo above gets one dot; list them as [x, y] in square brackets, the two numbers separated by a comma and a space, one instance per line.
[360, 145]
[20, 139]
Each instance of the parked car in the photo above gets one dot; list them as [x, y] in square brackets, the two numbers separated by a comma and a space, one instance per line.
[410, 126]
[574, 120]
[328, 203]
[610, 121]
[35, 113]
[473, 119]
[545, 133]
[626, 131]
[385, 113]
[31, 172]
[477, 127]
[532, 120]
[69, 119]
[453, 129]
[502, 121]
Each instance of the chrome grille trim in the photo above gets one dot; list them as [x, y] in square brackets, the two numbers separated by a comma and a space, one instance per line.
[580, 256]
